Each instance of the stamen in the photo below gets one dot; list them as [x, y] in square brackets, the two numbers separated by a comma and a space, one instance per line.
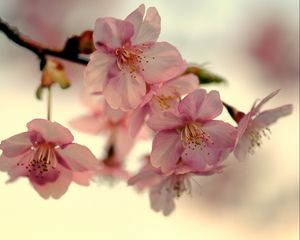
[193, 136]
[256, 138]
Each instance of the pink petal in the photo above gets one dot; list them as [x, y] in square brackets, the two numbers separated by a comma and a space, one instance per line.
[10, 165]
[82, 178]
[263, 101]
[242, 148]
[166, 150]
[222, 134]
[164, 120]
[77, 157]
[198, 158]
[92, 124]
[268, 117]
[125, 91]
[211, 106]
[162, 199]
[54, 189]
[137, 120]
[162, 62]
[111, 33]
[191, 105]
[180, 85]
[147, 30]
[51, 132]
[95, 74]
[113, 115]
[16, 145]
[243, 124]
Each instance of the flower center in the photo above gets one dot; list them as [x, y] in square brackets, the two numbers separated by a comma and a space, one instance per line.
[43, 160]
[130, 57]
[164, 101]
[193, 136]
[178, 185]
[256, 138]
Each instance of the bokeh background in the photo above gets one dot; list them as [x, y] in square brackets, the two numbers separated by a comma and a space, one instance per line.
[254, 44]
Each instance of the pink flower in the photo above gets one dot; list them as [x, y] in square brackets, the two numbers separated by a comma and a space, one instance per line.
[103, 119]
[188, 134]
[128, 58]
[162, 97]
[46, 155]
[254, 125]
[111, 169]
[163, 189]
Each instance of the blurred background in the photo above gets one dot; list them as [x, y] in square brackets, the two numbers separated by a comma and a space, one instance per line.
[253, 44]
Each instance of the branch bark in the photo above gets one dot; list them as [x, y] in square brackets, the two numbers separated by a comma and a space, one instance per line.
[38, 49]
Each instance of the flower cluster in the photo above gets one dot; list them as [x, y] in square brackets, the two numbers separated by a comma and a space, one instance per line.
[133, 83]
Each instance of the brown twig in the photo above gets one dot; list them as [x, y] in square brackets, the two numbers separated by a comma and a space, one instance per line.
[66, 53]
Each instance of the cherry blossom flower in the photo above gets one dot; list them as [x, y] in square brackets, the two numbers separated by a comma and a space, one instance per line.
[162, 97]
[188, 134]
[101, 118]
[128, 58]
[46, 155]
[163, 189]
[253, 126]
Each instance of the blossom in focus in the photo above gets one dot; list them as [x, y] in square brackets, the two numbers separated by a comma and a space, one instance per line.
[253, 126]
[128, 58]
[162, 97]
[164, 188]
[46, 155]
[189, 134]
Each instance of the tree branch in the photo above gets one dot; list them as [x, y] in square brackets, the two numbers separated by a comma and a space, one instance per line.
[66, 53]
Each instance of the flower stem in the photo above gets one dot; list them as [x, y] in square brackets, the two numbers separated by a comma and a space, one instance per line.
[49, 103]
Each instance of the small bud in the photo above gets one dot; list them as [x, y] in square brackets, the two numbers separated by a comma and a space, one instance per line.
[86, 45]
[54, 73]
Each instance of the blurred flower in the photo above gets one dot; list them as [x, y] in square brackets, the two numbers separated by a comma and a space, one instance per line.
[189, 134]
[128, 58]
[164, 188]
[46, 155]
[103, 119]
[254, 125]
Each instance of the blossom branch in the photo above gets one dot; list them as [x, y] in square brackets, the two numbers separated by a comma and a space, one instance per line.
[69, 52]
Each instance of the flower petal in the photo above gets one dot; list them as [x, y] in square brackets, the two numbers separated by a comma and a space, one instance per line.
[222, 134]
[161, 62]
[180, 85]
[211, 106]
[51, 132]
[95, 74]
[137, 119]
[82, 178]
[164, 120]
[148, 30]
[78, 157]
[166, 150]
[266, 118]
[125, 91]
[16, 145]
[111, 33]
[92, 124]
[263, 101]
[161, 199]
[54, 189]
[191, 105]
[199, 158]
[242, 147]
